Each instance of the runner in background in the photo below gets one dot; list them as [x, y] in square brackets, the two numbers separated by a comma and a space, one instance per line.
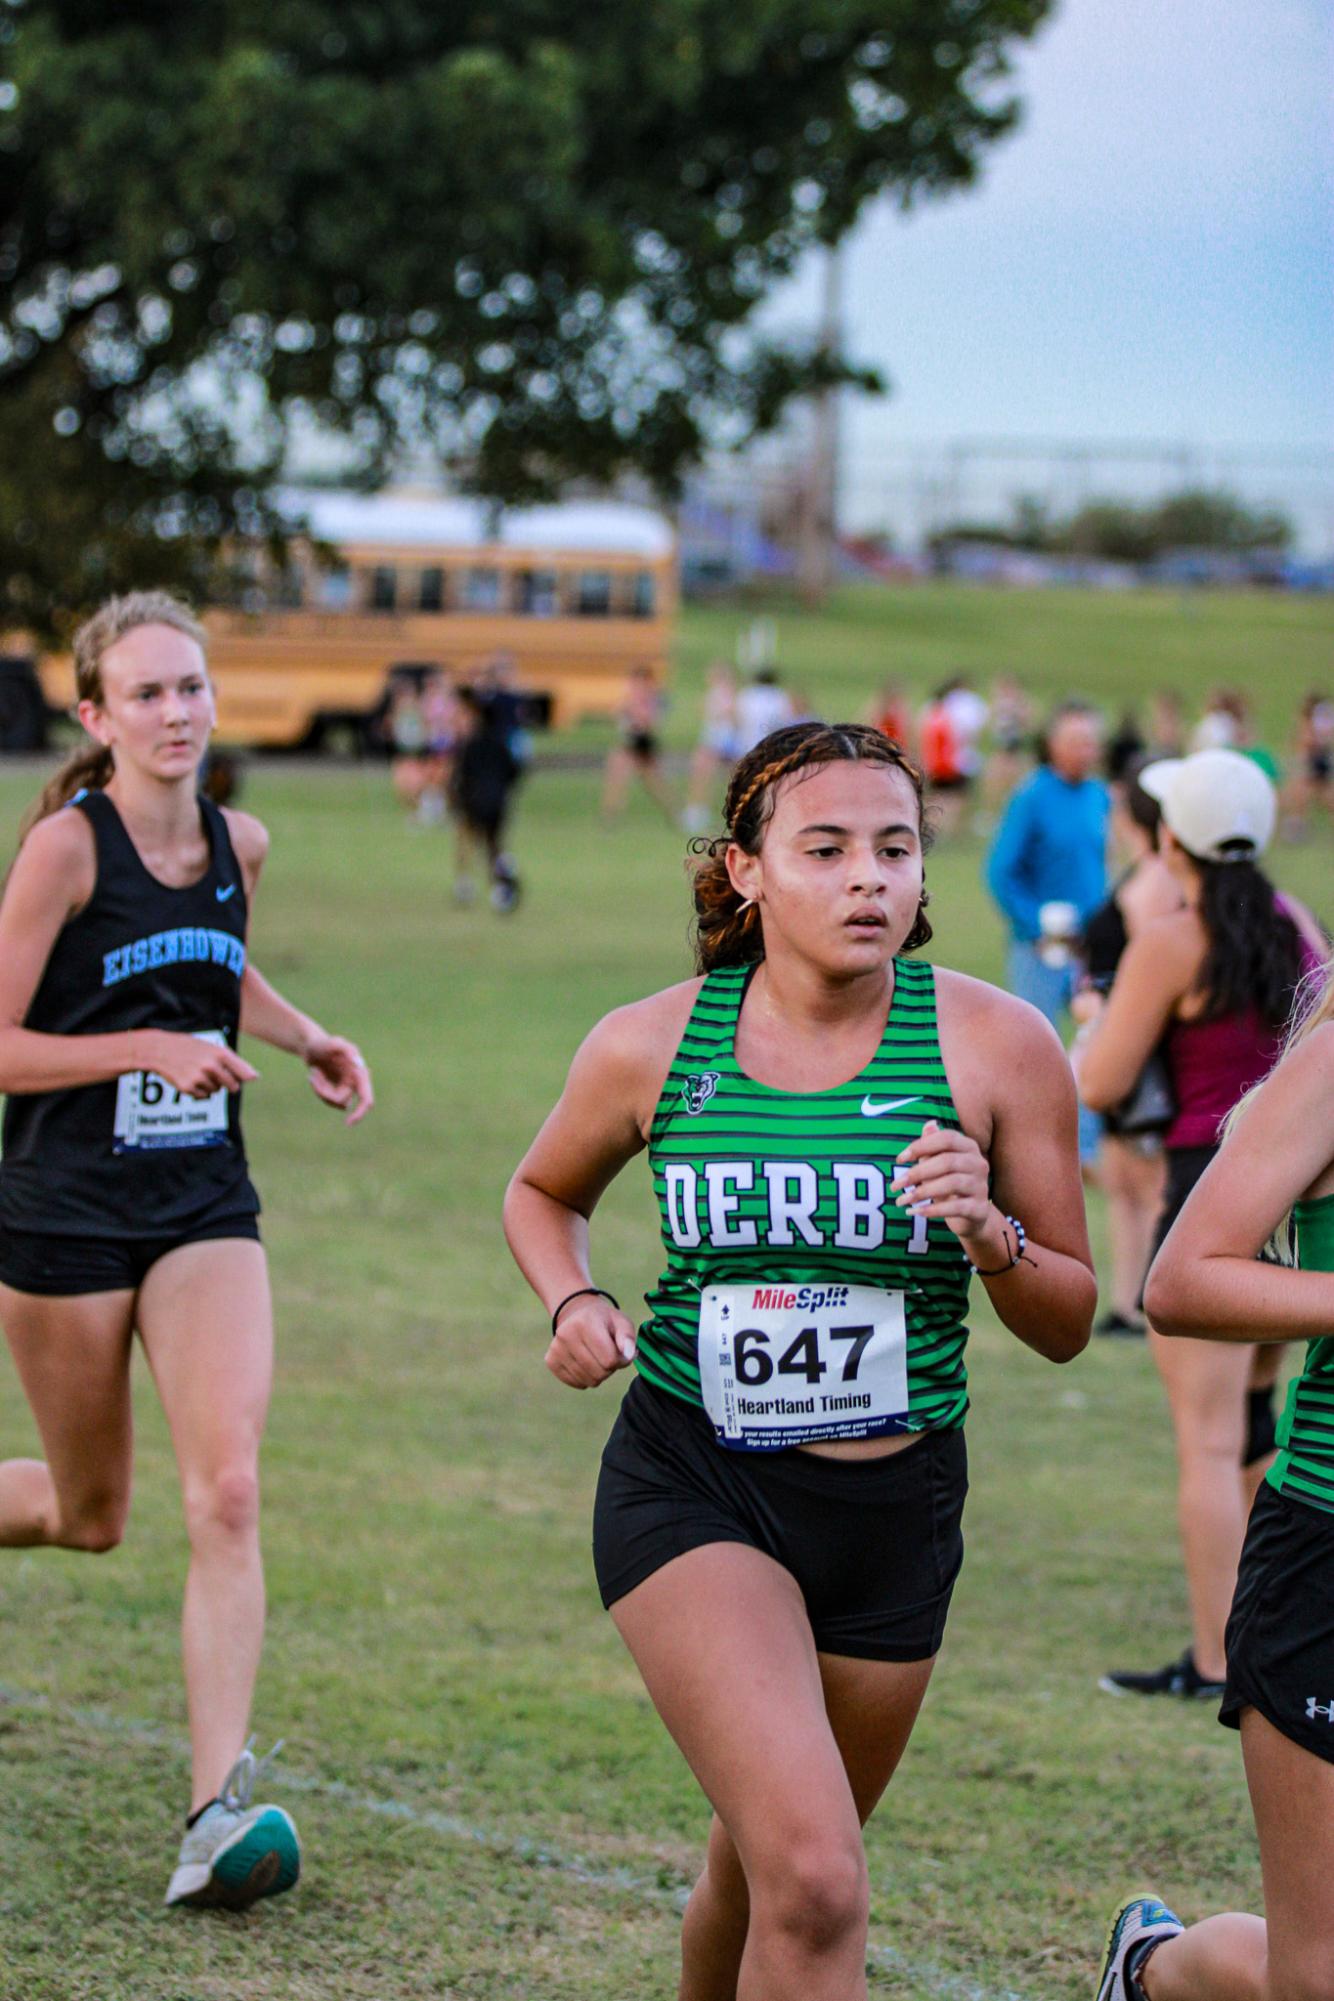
[1311, 784]
[637, 750]
[1215, 982]
[484, 774]
[947, 782]
[717, 750]
[126, 1204]
[1131, 1164]
[1270, 1191]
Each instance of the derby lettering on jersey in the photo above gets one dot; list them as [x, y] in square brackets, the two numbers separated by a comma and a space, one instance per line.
[790, 1192]
[191, 945]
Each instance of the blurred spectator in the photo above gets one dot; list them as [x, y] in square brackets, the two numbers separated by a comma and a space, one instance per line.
[1125, 747]
[1312, 781]
[762, 705]
[947, 779]
[1215, 981]
[637, 752]
[716, 752]
[891, 713]
[1218, 726]
[1167, 725]
[1047, 868]
[485, 772]
[1011, 735]
[497, 686]
[968, 712]
[422, 725]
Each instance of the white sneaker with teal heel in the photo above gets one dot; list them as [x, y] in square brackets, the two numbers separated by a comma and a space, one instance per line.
[1140, 1925]
[236, 1853]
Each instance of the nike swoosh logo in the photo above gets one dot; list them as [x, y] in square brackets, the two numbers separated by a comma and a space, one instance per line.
[223, 894]
[870, 1110]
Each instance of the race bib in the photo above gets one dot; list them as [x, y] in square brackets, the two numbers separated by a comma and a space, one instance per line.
[785, 1365]
[150, 1112]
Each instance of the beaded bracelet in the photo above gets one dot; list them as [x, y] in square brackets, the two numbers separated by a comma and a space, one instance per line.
[583, 1292]
[1020, 1246]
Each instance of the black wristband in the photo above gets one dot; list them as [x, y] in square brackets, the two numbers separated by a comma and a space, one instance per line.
[583, 1292]
[1017, 1257]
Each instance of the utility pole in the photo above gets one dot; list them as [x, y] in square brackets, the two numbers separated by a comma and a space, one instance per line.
[817, 540]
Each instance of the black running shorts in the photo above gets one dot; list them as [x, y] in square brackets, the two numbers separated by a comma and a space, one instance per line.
[875, 1544]
[1280, 1637]
[32, 1261]
[1185, 1165]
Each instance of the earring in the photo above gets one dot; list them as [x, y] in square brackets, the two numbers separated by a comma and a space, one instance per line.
[749, 904]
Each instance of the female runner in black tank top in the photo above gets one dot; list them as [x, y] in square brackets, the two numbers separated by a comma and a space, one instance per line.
[125, 1203]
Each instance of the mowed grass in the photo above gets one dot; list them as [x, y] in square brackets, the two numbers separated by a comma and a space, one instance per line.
[489, 1805]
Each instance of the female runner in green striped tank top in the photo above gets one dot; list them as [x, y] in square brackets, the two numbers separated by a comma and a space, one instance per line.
[835, 1133]
[1272, 1183]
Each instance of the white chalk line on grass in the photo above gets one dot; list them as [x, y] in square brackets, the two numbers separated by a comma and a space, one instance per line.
[926, 1978]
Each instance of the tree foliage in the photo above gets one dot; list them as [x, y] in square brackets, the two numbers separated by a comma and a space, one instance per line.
[1121, 531]
[527, 234]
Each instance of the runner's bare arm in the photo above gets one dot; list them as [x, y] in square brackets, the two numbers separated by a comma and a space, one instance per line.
[1018, 1156]
[1207, 1279]
[1158, 966]
[339, 1074]
[53, 876]
[600, 1122]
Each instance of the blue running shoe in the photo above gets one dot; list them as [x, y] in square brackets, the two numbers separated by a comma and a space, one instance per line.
[1134, 1926]
[237, 1853]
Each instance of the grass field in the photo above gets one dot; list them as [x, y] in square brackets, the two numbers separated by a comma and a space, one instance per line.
[490, 1807]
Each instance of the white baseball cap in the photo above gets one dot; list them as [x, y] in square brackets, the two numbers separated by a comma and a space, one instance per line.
[1218, 803]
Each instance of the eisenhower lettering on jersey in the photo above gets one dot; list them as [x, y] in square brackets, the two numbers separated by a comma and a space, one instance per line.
[189, 945]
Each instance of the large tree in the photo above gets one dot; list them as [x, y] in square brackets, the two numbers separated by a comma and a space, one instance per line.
[525, 233]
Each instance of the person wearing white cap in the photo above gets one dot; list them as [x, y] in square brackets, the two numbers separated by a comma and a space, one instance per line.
[1214, 983]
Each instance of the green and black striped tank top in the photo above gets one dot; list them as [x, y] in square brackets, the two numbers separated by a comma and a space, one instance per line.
[1304, 1468]
[757, 1185]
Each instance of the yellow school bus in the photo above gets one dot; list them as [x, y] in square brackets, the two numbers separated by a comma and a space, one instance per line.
[574, 595]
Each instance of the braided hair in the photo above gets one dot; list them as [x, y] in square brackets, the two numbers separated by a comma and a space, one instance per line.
[728, 933]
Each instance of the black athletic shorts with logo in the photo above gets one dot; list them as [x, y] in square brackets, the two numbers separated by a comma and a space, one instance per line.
[58, 1267]
[1280, 1637]
[875, 1544]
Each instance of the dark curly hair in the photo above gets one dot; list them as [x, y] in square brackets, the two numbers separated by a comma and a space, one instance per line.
[726, 934]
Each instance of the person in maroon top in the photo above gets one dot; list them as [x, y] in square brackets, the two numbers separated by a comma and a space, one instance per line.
[1213, 982]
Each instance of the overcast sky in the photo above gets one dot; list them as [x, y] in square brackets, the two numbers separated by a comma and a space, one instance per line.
[1148, 256]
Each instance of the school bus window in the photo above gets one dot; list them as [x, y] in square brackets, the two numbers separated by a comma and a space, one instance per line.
[481, 590]
[537, 594]
[431, 592]
[333, 589]
[593, 599]
[384, 587]
[641, 594]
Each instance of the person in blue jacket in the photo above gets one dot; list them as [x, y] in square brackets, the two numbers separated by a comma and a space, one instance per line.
[1047, 870]
[1051, 850]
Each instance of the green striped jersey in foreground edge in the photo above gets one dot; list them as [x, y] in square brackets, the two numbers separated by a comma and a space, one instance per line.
[1304, 1468]
[755, 1184]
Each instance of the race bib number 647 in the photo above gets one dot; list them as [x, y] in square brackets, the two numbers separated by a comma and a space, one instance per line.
[784, 1365]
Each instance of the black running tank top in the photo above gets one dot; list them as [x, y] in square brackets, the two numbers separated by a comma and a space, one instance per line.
[130, 1158]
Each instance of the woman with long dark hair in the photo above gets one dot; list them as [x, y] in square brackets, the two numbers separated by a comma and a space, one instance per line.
[126, 1205]
[838, 1135]
[1271, 1189]
[1215, 983]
